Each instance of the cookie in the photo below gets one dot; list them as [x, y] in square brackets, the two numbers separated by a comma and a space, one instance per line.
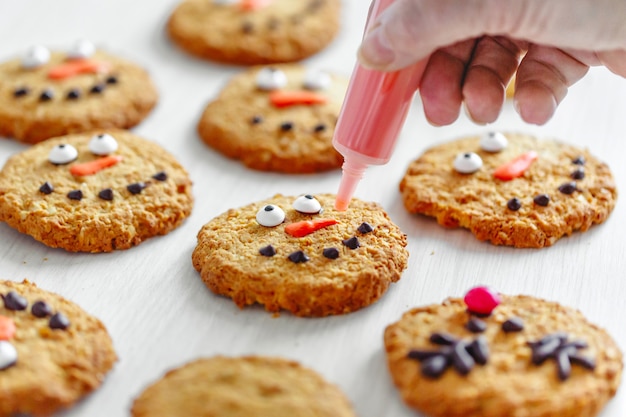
[529, 357]
[45, 94]
[511, 189]
[254, 32]
[52, 353]
[278, 118]
[251, 386]
[94, 192]
[300, 254]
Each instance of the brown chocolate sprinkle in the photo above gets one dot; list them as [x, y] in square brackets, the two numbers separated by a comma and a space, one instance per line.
[73, 94]
[41, 309]
[256, 120]
[160, 176]
[106, 194]
[568, 188]
[351, 243]
[365, 228]
[579, 160]
[97, 89]
[112, 80]
[514, 324]
[331, 253]
[578, 174]
[136, 187]
[542, 200]
[75, 195]
[20, 92]
[476, 325]
[298, 257]
[59, 321]
[319, 128]
[514, 204]
[46, 188]
[268, 251]
[46, 95]
[15, 302]
[564, 352]
[286, 126]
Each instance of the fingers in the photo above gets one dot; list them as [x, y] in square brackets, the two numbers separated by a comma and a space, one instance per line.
[542, 80]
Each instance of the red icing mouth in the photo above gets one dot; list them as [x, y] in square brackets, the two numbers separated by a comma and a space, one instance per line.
[306, 227]
[92, 167]
[280, 98]
[76, 67]
[516, 167]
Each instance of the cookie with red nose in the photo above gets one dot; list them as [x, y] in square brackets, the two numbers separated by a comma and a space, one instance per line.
[47, 93]
[252, 32]
[277, 118]
[301, 255]
[94, 192]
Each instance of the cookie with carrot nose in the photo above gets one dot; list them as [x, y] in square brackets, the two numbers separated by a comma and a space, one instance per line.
[94, 192]
[511, 189]
[297, 253]
[277, 118]
[46, 93]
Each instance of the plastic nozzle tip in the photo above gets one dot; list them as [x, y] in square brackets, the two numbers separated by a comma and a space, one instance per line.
[352, 174]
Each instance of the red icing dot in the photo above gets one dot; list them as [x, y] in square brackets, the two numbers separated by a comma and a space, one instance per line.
[481, 300]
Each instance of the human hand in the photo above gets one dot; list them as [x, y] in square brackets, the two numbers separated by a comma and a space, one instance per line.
[474, 47]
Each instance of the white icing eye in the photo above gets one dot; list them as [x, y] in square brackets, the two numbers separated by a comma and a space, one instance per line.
[467, 162]
[271, 79]
[317, 80]
[62, 154]
[81, 49]
[35, 57]
[493, 142]
[8, 354]
[102, 144]
[270, 216]
[307, 204]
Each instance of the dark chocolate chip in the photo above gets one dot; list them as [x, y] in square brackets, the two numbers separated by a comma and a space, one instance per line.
[59, 321]
[543, 351]
[563, 364]
[160, 176]
[112, 79]
[578, 174]
[247, 27]
[479, 350]
[286, 126]
[514, 324]
[442, 339]
[514, 204]
[46, 188]
[579, 160]
[46, 95]
[136, 187]
[422, 355]
[435, 366]
[41, 309]
[14, 301]
[73, 94]
[75, 195]
[97, 89]
[268, 251]
[319, 128]
[365, 228]
[106, 194]
[298, 257]
[476, 325]
[351, 243]
[568, 188]
[256, 120]
[463, 361]
[542, 200]
[583, 361]
[20, 92]
[331, 253]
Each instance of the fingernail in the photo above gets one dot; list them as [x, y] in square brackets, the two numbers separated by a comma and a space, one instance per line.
[469, 115]
[375, 51]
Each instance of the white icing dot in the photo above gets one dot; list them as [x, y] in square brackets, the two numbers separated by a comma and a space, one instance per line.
[102, 144]
[317, 80]
[81, 49]
[35, 57]
[271, 79]
[62, 154]
[467, 162]
[8, 354]
[307, 204]
[493, 142]
[270, 216]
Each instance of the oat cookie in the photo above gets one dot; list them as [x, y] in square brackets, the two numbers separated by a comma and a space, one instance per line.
[251, 386]
[279, 118]
[529, 357]
[45, 94]
[511, 189]
[52, 353]
[300, 254]
[94, 192]
[251, 32]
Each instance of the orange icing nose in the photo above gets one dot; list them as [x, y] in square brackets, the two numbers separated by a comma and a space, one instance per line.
[76, 67]
[7, 328]
[251, 5]
[516, 167]
[306, 227]
[281, 98]
[92, 167]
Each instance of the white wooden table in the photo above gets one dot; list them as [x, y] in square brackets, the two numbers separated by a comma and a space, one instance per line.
[161, 315]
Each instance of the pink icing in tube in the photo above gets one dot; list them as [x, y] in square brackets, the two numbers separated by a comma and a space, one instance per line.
[372, 115]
